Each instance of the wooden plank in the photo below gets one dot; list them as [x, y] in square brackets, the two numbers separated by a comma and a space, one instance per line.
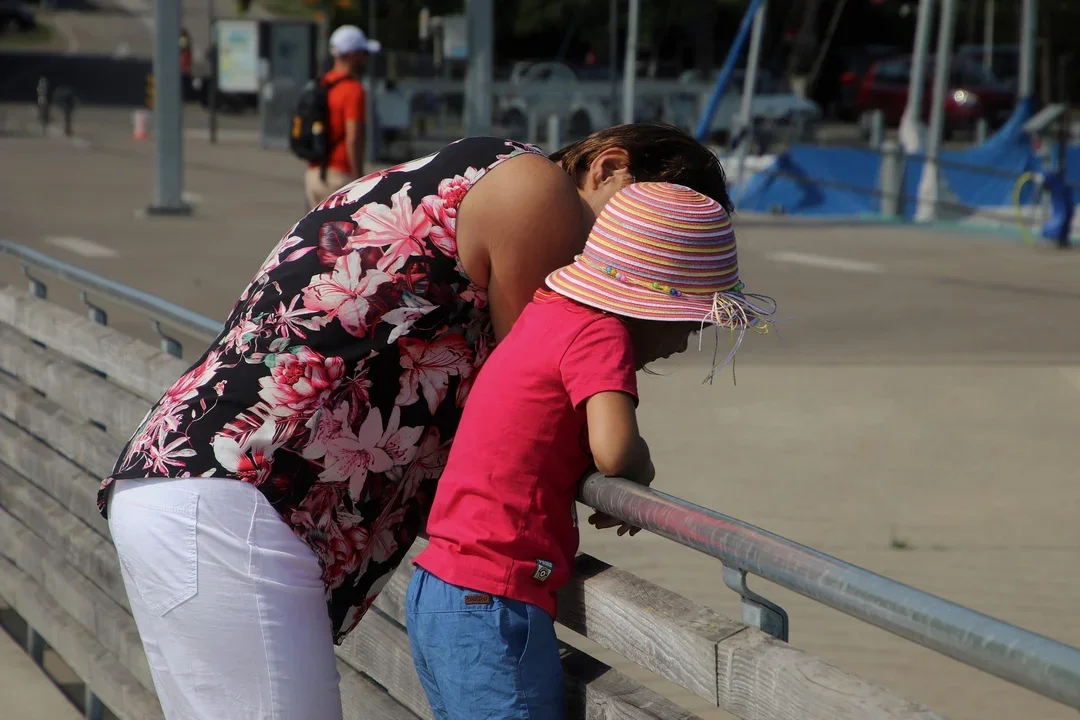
[99, 614]
[391, 600]
[765, 679]
[86, 445]
[84, 548]
[82, 393]
[594, 691]
[116, 687]
[649, 625]
[115, 629]
[379, 648]
[67, 483]
[361, 699]
[144, 370]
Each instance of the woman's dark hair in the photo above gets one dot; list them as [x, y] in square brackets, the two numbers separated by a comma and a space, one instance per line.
[658, 153]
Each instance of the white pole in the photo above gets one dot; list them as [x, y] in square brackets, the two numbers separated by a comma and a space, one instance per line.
[1026, 87]
[912, 133]
[168, 123]
[480, 20]
[988, 36]
[929, 186]
[371, 135]
[630, 66]
[613, 62]
[746, 117]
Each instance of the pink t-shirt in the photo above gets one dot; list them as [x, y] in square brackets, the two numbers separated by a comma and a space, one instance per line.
[503, 520]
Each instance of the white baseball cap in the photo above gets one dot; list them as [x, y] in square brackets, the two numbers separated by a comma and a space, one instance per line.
[349, 39]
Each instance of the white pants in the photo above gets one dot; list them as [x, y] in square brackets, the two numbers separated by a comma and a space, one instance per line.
[229, 602]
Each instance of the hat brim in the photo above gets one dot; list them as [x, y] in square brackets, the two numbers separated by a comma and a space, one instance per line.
[589, 286]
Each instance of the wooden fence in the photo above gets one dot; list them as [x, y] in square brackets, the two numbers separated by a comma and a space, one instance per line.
[72, 391]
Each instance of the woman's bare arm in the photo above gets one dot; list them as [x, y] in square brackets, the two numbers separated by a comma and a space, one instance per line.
[520, 222]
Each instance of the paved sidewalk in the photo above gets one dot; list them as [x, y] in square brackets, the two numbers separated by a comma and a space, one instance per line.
[26, 693]
[915, 412]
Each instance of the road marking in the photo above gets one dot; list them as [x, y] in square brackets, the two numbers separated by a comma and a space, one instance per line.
[1072, 375]
[80, 246]
[826, 262]
[191, 198]
[70, 38]
[123, 50]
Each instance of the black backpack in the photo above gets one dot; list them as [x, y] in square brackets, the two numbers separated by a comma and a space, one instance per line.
[309, 139]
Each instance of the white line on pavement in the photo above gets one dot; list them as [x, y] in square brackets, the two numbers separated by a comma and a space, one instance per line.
[826, 262]
[1072, 375]
[71, 40]
[80, 246]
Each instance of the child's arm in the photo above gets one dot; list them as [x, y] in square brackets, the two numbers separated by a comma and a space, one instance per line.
[617, 447]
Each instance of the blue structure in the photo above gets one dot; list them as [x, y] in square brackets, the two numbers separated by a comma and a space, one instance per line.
[726, 71]
[808, 180]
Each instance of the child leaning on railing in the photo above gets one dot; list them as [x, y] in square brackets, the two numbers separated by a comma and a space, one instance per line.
[557, 396]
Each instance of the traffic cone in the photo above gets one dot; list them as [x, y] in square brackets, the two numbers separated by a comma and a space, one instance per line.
[140, 130]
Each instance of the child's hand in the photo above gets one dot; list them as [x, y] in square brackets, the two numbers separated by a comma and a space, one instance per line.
[603, 521]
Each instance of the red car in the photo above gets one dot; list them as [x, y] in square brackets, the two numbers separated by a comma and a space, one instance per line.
[973, 93]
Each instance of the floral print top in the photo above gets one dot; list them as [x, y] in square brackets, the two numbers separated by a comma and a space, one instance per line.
[339, 378]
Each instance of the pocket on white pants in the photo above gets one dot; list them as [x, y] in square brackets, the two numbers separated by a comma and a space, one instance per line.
[157, 547]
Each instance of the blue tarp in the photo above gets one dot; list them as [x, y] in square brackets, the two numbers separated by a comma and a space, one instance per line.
[807, 180]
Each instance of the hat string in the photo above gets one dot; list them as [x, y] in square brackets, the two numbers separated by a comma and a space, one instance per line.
[735, 311]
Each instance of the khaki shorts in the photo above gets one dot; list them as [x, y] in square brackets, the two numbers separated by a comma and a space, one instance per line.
[316, 189]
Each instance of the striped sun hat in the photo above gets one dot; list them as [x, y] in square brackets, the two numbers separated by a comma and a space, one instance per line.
[663, 252]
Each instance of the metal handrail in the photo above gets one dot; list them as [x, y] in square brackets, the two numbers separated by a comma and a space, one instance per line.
[178, 317]
[1033, 661]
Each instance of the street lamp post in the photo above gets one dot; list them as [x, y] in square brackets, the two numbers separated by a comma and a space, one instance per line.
[168, 113]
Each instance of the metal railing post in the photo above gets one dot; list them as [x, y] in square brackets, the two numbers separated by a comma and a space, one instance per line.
[93, 708]
[37, 288]
[169, 344]
[766, 616]
[35, 645]
[95, 313]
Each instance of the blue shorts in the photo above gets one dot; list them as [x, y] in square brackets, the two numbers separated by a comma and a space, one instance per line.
[481, 656]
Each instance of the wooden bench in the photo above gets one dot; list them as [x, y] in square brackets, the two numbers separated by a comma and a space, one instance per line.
[71, 393]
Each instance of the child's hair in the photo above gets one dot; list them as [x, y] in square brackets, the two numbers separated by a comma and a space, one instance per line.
[658, 153]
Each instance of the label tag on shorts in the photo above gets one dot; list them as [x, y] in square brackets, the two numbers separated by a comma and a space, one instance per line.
[478, 599]
[543, 570]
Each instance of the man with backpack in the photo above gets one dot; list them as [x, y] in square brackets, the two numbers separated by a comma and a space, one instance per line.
[328, 126]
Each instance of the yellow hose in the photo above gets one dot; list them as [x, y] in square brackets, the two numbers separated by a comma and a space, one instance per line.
[1023, 180]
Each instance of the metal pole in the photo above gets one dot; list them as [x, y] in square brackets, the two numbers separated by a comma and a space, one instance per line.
[480, 21]
[168, 120]
[929, 186]
[370, 132]
[630, 64]
[211, 59]
[613, 44]
[1026, 87]
[912, 135]
[701, 132]
[749, 86]
[322, 64]
[988, 36]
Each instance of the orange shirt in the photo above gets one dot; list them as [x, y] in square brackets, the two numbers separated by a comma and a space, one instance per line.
[345, 102]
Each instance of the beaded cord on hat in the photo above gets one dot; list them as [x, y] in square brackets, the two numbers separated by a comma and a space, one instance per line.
[732, 310]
